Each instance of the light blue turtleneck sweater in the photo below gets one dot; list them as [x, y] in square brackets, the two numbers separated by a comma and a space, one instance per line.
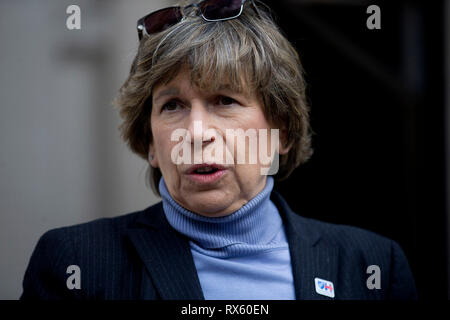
[241, 256]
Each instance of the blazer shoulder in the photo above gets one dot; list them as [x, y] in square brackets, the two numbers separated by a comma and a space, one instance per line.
[347, 235]
[354, 243]
[99, 233]
[91, 246]
[313, 230]
[106, 226]
[360, 247]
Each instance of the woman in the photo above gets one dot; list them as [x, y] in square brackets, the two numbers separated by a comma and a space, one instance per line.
[220, 232]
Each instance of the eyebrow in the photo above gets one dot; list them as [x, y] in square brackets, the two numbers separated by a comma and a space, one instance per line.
[167, 92]
[174, 91]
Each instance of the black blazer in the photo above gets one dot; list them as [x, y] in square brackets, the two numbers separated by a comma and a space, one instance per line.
[140, 256]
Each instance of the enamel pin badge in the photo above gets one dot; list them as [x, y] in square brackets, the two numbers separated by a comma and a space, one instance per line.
[324, 287]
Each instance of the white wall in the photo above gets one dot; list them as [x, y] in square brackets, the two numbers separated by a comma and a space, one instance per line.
[62, 161]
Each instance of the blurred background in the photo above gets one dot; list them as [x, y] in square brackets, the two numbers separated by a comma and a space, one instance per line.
[380, 110]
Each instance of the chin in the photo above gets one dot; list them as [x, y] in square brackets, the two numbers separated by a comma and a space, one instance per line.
[210, 203]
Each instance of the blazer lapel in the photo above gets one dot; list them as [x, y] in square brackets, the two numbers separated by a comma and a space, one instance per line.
[311, 256]
[167, 257]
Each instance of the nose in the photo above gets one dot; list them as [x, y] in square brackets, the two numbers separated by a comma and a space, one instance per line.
[199, 122]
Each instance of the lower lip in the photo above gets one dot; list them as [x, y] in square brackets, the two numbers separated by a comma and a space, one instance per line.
[207, 178]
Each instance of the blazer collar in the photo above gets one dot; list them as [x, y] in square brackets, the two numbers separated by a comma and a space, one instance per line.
[311, 255]
[163, 250]
[166, 255]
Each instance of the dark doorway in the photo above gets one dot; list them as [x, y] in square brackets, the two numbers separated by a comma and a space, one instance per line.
[377, 110]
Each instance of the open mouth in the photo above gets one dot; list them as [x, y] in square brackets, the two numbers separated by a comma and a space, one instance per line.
[206, 173]
[206, 170]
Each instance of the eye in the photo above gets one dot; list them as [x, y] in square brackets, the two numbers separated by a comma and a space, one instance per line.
[226, 101]
[171, 105]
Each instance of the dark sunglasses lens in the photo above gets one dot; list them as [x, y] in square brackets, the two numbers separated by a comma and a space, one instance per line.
[162, 19]
[220, 9]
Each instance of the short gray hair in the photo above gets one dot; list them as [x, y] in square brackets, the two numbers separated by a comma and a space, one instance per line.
[247, 53]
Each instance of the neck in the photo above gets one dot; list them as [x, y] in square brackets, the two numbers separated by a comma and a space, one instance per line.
[254, 225]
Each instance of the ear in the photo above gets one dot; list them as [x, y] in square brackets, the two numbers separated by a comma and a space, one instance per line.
[283, 147]
[152, 159]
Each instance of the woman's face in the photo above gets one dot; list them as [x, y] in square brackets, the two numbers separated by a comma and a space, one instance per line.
[178, 105]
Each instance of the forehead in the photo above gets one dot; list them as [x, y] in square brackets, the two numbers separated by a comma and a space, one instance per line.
[187, 79]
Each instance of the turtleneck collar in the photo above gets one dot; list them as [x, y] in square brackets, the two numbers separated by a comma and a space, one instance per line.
[255, 227]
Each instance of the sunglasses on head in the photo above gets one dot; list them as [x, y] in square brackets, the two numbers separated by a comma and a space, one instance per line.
[211, 10]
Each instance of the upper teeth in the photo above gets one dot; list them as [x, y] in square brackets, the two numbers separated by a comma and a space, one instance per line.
[204, 169]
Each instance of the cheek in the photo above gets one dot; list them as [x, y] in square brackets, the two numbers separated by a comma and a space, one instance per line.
[163, 147]
[260, 121]
[253, 118]
[248, 177]
[161, 139]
